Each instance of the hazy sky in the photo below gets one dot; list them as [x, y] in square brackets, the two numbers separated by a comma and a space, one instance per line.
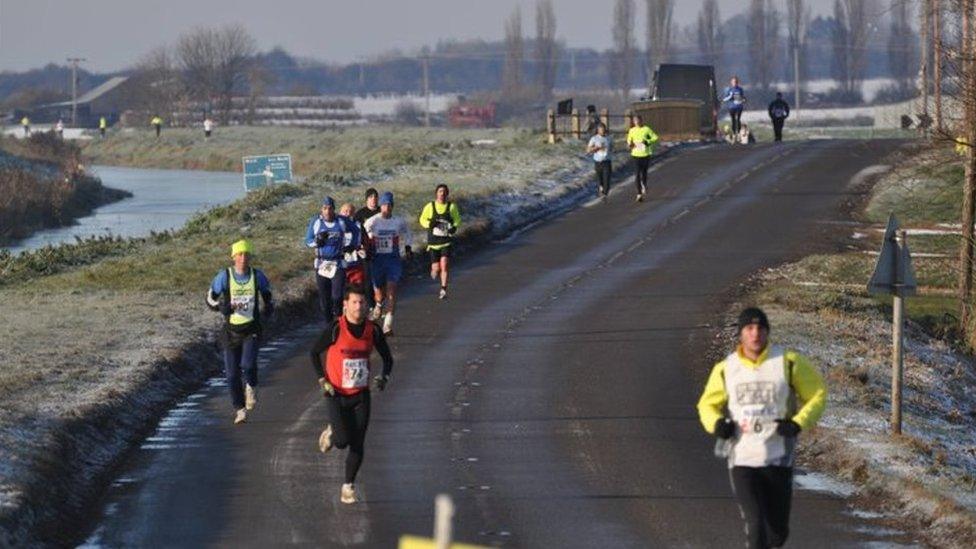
[112, 34]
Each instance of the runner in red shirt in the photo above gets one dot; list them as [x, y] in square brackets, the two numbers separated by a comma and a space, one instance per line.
[341, 359]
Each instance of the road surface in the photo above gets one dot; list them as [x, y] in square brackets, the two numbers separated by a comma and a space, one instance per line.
[552, 395]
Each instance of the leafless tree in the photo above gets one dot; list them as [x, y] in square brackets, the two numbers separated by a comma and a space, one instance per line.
[547, 54]
[514, 53]
[660, 32]
[797, 20]
[155, 83]
[711, 38]
[215, 62]
[853, 28]
[901, 45]
[763, 31]
[623, 44]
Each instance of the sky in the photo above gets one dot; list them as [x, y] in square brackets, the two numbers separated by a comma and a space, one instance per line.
[113, 34]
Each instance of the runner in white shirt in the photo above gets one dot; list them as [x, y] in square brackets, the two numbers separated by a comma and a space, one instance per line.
[387, 233]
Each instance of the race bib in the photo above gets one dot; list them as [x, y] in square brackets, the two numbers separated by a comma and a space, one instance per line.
[328, 268]
[640, 147]
[779, 113]
[441, 228]
[738, 99]
[355, 373]
[384, 244]
[243, 305]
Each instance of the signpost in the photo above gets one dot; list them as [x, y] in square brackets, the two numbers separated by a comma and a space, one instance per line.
[264, 170]
[894, 275]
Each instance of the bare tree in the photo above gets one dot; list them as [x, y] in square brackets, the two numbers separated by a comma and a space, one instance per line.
[852, 30]
[547, 55]
[763, 31]
[711, 38]
[901, 45]
[215, 63]
[623, 44]
[514, 53]
[797, 21]
[660, 32]
[155, 83]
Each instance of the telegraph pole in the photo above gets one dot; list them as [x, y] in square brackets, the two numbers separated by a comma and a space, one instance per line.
[925, 58]
[426, 66]
[937, 39]
[74, 87]
[796, 75]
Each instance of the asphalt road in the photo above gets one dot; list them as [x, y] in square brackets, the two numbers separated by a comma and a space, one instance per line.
[552, 395]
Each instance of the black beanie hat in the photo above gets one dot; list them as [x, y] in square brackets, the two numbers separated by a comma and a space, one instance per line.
[753, 315]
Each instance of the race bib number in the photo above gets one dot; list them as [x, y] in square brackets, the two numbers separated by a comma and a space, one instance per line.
[355, 373]
[779, 113]
[441, 228]
[328, 268]
[738, 99]
[384, 244]
[640, 147]
[243, 305]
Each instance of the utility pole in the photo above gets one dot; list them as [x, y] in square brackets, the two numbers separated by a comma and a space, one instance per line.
[426, 64]
[796, 76]
[967, 93]
[74, 87]
[937, 39]
[924, 34]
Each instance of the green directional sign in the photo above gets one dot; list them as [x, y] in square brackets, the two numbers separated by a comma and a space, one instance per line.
[263, 170]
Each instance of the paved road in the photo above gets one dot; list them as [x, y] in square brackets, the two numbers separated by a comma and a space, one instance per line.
[552, 395]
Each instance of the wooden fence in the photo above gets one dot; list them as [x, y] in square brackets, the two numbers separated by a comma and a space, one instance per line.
[672, 120]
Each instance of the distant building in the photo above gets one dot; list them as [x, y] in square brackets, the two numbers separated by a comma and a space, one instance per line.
[107, 99]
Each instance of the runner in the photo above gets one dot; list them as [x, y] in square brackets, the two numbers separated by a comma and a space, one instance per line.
[387, 234]
[734, 98]
[340, 359]
[600, 146]
[102, 125]
[777, 394]
[352, 261]
[441, 219]
[779, 111]
[25, 123]
[327, 234]
[207, 128]
[641, 140]
[234, 292]
[157, 124]
[59, 129]
[369, 210]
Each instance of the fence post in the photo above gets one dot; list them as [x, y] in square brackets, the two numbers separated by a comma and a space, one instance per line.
[551, 125]
[576, 129]
[605, 118]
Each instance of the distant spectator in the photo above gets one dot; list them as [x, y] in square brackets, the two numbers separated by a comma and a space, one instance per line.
[207, 127]
[592, 120]
[745, 135]
[59, 129]
[779, 111]
[157, 123]
[102, 125]
[25, 122]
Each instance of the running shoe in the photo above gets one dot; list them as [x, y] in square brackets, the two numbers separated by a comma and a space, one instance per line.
[240, 417]
[348, 494]
[325, 439]
[442, 294]
[640, 197]
[250, 397]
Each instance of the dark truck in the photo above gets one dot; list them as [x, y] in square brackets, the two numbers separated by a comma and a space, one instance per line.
[683, 103]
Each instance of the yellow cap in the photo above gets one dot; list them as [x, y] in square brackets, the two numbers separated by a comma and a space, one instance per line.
[241, 247]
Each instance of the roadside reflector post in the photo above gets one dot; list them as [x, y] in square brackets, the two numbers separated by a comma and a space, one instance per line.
[443, 521]
[577, 127]
[894, 275]
[551, 125]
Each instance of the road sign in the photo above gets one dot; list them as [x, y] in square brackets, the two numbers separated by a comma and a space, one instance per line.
[263, 170]
[893, 273]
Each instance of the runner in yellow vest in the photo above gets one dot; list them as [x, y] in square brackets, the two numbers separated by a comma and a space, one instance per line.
[756, 402]
[441, 219]
[102, 126]
[641, 140]
[234, 293]
[25, 122]
[157, 123]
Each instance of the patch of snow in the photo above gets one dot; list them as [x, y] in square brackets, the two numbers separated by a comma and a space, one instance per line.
[818, 482]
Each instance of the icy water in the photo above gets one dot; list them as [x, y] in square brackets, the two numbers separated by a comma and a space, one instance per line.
[161, 200]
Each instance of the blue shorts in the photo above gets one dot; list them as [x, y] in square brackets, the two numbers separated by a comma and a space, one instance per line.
[386, 269]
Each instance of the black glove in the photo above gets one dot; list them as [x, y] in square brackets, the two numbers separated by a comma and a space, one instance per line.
[409, 253]
[787, 428]
[327, 388]
[321, 238]
[452, 230]
[380, 381]
[269, 309]
[724, 428]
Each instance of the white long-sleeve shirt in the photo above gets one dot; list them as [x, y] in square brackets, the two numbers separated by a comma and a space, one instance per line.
[389, 235]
